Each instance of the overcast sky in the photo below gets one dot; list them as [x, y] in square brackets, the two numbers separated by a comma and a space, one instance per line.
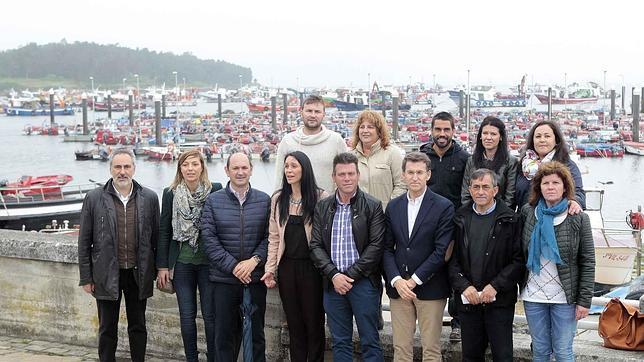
[333, 43]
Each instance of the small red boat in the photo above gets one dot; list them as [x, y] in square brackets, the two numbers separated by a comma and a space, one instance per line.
[258, 107]
[36, 186]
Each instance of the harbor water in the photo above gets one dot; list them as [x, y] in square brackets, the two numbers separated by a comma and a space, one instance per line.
[622, 178]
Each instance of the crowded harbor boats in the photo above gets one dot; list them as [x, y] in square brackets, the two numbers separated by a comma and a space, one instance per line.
[257, 127]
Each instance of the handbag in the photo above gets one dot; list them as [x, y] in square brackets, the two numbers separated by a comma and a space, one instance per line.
[169, 287]
[622, 326]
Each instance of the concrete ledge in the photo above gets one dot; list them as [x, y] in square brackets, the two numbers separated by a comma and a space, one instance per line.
[38, 246]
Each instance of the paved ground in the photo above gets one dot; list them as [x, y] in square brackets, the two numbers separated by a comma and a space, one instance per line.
[14, 349]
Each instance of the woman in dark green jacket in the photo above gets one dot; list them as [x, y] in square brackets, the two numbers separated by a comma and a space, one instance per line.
[560, 256]
[180, 256]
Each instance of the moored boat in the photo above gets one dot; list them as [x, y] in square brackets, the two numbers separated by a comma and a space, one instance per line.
[15, 111]
[599, 150]
[634, 148]
[615, 247]
[35, 186]
[37, 210]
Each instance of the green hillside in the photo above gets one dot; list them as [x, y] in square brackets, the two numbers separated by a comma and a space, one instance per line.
[71, 64]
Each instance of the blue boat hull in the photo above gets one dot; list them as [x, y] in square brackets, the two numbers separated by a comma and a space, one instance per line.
[349, 107]
[68, 111]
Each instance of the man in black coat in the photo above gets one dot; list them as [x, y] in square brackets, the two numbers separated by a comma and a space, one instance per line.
[116, 254]
[485, 270]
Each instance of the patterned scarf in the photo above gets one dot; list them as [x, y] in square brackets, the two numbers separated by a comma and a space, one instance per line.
[186, 213]
[531, 162]
[543, 240]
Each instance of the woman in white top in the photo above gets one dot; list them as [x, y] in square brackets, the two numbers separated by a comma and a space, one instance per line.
[560, 258]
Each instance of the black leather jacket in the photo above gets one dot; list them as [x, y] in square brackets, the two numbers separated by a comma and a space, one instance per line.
[368, 224]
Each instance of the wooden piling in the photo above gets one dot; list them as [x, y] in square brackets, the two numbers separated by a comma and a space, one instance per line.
[109, 105]
[612, 105]
[636, 117]
[51, 108]
[285, 105]
[163, 106]
[84, 111]
[219, 106]
[274, 113]
[549, 103]
[130, 103]
[157, 123]
[394, 117]
[623, 99]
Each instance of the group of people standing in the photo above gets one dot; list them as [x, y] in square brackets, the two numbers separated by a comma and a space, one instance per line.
[435, 224]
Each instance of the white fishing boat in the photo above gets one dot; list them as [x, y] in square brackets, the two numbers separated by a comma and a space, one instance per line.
[21, 209]
[634, 148]
[615, 247]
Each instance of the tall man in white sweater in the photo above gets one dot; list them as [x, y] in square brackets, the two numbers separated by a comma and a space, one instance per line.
[316, 141]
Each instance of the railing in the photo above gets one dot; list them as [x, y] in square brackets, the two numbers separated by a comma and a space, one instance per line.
[32, 194]
[637, 235]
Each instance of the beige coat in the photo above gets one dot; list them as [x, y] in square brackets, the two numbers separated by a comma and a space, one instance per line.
[380, 172]
[276, 245]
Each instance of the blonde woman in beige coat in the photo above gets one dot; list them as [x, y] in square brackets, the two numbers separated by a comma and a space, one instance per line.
[299, 282]
[379, 161]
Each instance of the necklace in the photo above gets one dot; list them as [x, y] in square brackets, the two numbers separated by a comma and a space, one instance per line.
[295, 202]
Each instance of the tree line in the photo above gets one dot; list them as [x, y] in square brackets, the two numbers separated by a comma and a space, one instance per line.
[109, 64]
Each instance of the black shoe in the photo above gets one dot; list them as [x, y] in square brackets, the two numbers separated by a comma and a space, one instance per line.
[455, 336]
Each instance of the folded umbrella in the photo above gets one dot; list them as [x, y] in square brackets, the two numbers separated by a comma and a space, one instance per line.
[247, 309]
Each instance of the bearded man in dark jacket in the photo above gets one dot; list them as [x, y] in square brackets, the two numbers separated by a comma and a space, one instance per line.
[486, 269]
[448, 161]
[116, 254]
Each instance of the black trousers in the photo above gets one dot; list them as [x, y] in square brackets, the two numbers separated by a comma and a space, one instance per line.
[300, 286]
[483, 324]
[453, 311]
[108, 319]
[228, 321]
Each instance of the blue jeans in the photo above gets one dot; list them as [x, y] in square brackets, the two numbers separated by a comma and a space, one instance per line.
[362, 303]
[187, 278]
[552, 328]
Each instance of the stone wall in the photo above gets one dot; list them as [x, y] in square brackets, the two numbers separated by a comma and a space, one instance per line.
[41, 298]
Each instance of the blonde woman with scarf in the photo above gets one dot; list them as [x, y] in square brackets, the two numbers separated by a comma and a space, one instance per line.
[545, 143]
[180, 255]
[560, 254]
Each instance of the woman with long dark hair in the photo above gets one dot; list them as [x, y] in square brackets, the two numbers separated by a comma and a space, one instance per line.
[300, 283]
[180, 256]
[545, 143]
[491, 152]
